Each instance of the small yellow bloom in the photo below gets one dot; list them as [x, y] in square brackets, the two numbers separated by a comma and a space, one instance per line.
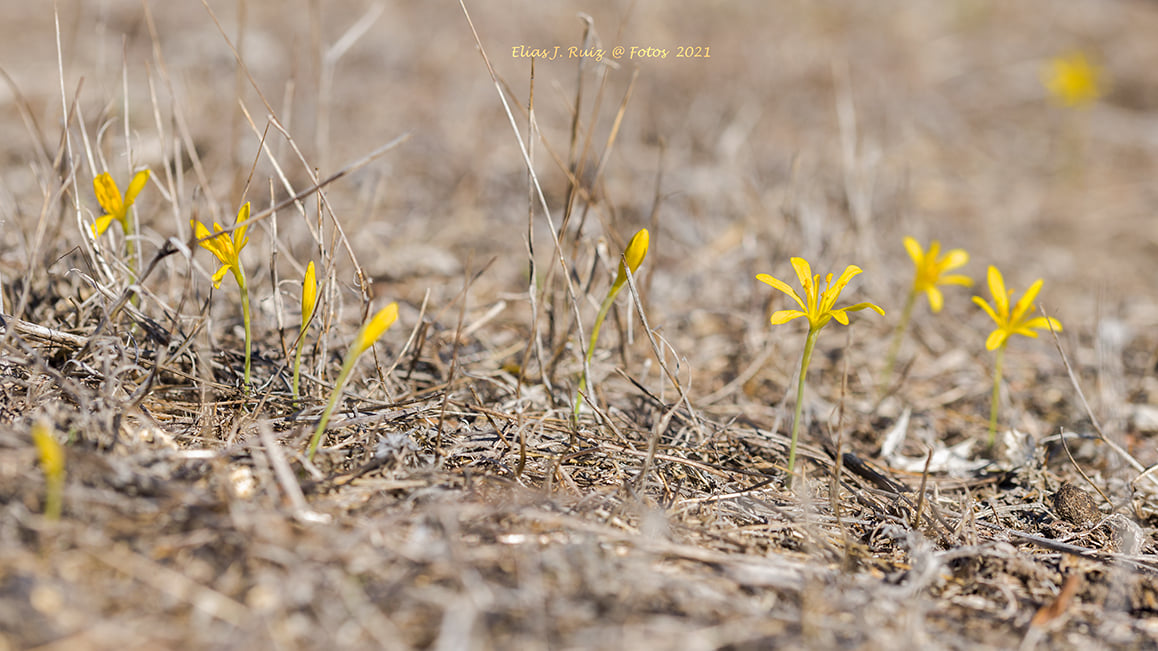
[228, 251]
[1012, 323]
[930, 270]
[374, 328]
[309, 295]
[817, 304]
[112, 203]
[1072, 80]
[635, 253]
[52, 464]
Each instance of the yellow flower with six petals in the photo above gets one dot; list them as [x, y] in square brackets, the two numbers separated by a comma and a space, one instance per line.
[817, 304]
[1009, 322]
[1012, 322]
[931, 268]
[818, 307]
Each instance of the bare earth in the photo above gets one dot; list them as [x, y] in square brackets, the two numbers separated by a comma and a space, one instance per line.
[454, 504]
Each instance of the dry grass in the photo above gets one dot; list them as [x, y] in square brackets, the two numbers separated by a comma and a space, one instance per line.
[454, 504]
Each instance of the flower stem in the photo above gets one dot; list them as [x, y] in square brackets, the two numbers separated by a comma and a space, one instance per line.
[347, 366]
[245, 319]
[898, 337]
[996, 392]
[603, 309]
[809, 343]
[298, 361]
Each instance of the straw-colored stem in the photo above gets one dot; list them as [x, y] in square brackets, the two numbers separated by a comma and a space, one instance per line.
[347, 366]
[898, 337]
[809, 343]
[996, 395]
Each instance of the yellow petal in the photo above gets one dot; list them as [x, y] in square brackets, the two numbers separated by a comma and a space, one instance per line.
[239, 239]
[936, 299]
[102, 224]
[988, 310]
[914, 250]
[135, 186]
[108, 196]
[955, 279]
[219, 275]
[864, 306]
[1043, 323]
[51, 451]
[840, 316]
[784, 316]
[996, 339]
[782, 286]
[1000, 296]
[832, 292]
[1025, 302]
[309, 294]
[804, 274]
[375, 327]
[953, 259]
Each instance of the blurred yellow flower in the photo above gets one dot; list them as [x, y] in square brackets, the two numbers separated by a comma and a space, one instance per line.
[930, 270]
[1013, 322]
[1072, 80]
[52, 464]
[1009, 323]
[115, 206]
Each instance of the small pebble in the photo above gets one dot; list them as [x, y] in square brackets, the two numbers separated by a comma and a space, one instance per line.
[1075, 505]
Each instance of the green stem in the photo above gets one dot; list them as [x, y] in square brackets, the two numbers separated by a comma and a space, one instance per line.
[996, 394]
[809, 343]
[347, 366]
[298, 361]
[898, 337]
[245, 319]
[603, 309]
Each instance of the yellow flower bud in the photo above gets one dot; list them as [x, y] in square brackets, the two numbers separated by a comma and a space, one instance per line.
[635, 253]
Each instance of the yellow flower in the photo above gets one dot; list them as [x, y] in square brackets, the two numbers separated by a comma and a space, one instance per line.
[1013, 322]
[112, 203]
[228, 251]
[930, 270]
[635, 253]
[52, 463]
[1072, 80]
[817, 305]
[374, 328]
[369, 333]
[309, 295]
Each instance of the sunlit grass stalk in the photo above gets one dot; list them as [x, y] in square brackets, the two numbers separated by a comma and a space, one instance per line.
[367, 335]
